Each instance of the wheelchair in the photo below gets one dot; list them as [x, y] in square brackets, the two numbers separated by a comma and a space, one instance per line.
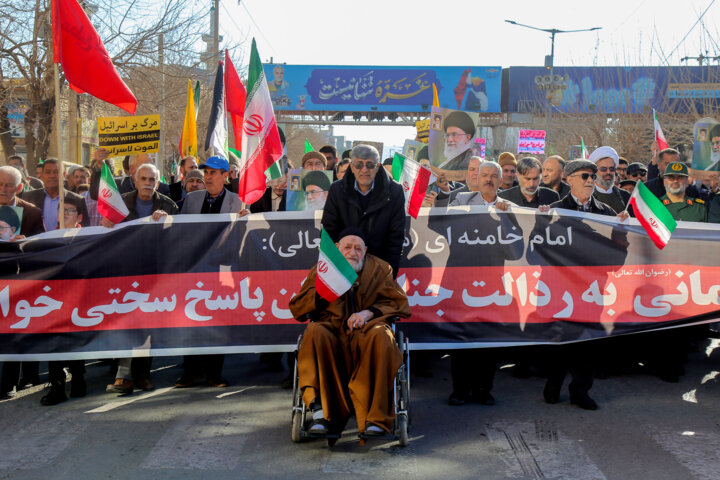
[301, 417]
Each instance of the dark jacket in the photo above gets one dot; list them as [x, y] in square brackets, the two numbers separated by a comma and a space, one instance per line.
[32, 220]
[562, 190]
[175, 190]
[569, 203]
[383, 223]
[265, 203]
[37, 198]
[160, 202]
[544, 196]
[617, 200]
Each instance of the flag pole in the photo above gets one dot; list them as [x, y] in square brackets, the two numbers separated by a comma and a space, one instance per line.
[61, 166]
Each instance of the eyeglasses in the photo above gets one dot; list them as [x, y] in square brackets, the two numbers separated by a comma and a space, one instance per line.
[313, 193]
[455, 135]
[637, 174]
[606, 169]
[585, 176]
[369, 165]
[70, 211]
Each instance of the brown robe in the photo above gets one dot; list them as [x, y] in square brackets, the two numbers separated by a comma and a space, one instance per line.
[352, 368]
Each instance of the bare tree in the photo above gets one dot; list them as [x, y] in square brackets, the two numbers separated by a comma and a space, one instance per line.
[130, 30]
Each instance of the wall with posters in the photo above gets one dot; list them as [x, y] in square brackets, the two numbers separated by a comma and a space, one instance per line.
[611, 89]
[384, 89]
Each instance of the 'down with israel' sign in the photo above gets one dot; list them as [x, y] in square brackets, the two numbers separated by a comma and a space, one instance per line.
[129, 135]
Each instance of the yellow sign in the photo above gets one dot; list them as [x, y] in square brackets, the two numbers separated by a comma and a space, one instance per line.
[423, 130]
[129, 135]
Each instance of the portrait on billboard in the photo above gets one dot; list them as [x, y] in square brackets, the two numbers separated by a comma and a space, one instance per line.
[706, 148]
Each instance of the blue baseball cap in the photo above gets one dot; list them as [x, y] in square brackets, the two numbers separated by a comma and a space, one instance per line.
[216, 162]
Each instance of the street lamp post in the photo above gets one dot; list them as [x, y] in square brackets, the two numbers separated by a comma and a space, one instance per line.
[550, 60]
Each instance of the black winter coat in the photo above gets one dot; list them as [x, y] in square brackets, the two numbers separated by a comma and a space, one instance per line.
[383, 222]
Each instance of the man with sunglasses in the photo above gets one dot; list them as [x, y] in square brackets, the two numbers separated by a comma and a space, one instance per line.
[637, 171]
[368, 198]
[578, 360]
[607, 161]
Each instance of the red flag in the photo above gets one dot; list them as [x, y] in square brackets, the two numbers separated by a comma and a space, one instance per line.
[235, 97]
[85, 61]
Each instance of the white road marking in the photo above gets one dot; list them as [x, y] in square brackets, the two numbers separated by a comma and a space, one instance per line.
[162, 368]
[113, 405]
[25, 448]
[696, 451]
[538, 450]
[202, 442]
[223, 395]
[690, 396]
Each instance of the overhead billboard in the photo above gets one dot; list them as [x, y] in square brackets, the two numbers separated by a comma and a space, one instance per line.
[382, 89]
[611, 89]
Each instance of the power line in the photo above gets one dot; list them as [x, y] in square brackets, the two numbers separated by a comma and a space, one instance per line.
[252, 19]
[691, 29]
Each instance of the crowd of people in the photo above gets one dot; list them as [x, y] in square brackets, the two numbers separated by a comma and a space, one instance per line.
[363, 211]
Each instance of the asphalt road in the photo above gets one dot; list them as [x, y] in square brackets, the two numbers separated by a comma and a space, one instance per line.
[645, 428]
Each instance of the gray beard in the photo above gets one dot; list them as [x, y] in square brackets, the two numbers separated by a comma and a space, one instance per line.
[714, 157]
[315, 205]
[606, 184]
[452, 152]
[359, 265]
[676, 191]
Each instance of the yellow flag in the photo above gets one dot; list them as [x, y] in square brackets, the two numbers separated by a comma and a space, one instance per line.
[188, 139]
[436, 102]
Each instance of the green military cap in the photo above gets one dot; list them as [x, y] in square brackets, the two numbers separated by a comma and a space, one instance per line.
[677, 168]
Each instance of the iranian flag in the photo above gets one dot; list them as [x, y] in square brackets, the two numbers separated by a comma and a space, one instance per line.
[659, 136]
[261, 145]
[653, 216]
[583, 149]
[335, 275]
[110, 203]
[414, 179]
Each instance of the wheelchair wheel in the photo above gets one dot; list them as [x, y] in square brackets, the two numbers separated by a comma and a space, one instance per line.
[297, 424]
[402, 427]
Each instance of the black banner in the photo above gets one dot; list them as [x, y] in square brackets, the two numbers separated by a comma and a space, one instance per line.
[474, 277]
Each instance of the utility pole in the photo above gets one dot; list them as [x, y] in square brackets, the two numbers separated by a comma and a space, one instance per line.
[701, 59]
[160, 163]
[550, 61]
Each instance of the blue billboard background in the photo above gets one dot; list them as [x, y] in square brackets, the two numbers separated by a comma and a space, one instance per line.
[611, 89]
[383, 89]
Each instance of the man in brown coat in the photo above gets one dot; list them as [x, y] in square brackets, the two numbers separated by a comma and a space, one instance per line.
[348, 355]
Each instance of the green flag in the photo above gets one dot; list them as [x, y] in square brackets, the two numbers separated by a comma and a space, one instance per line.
[308, 147]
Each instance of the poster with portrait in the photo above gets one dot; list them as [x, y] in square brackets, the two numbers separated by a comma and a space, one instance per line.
[10, 222]
[411, 147]
[706, 148]
[452, 141]
[307, 189]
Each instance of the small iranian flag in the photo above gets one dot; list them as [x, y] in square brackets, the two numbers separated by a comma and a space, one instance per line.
[414, 179]
[583, 149]
[110, 203]
[335, 275]
[659, 136]
[653, 216]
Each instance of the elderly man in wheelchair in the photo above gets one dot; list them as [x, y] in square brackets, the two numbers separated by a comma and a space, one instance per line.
[348, 357]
